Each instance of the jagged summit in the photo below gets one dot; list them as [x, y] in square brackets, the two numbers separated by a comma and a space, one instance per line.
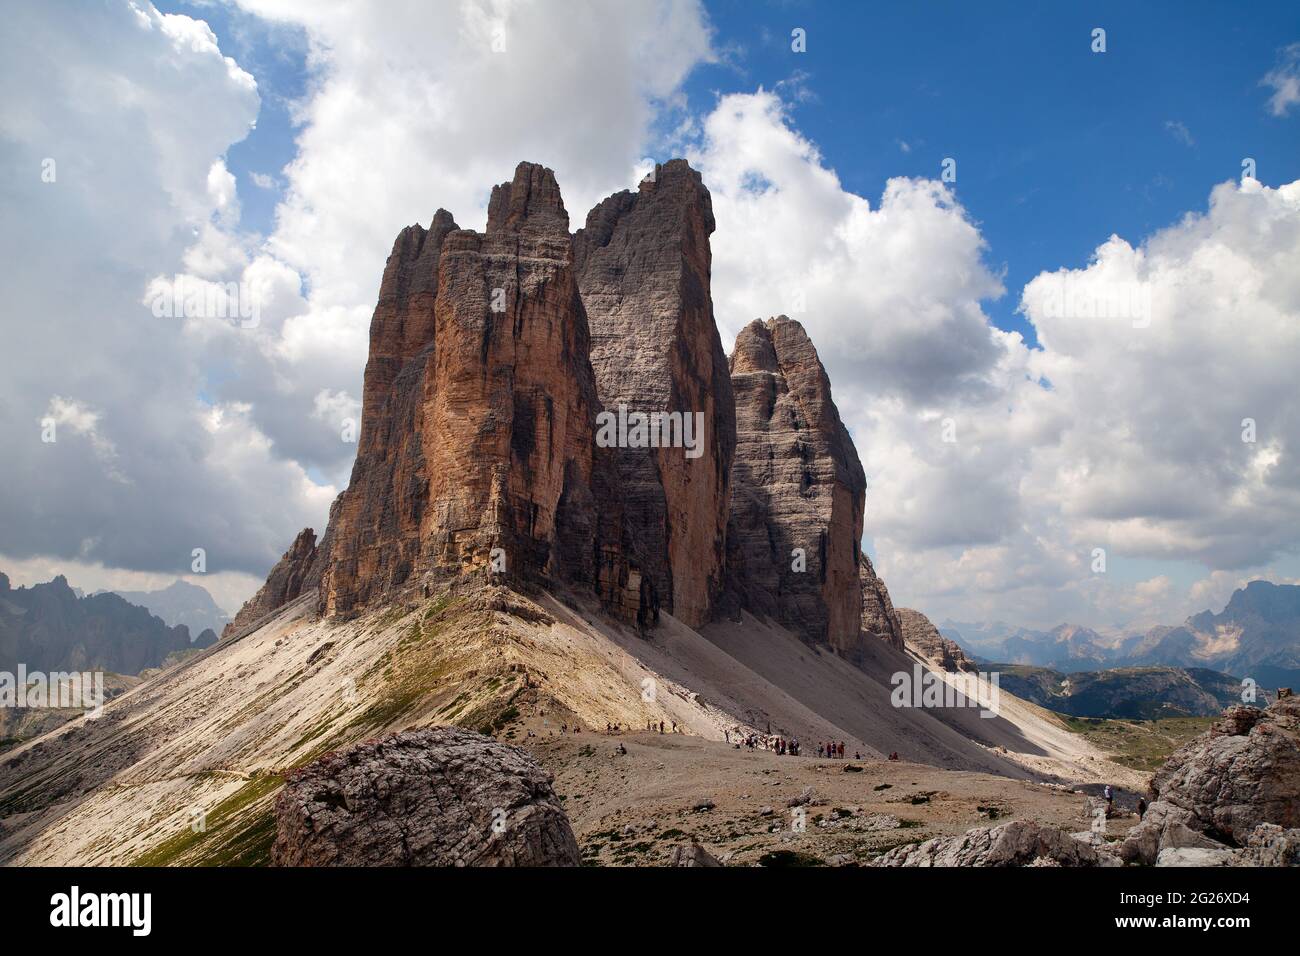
[798, 489]
[644, 264]
[477, 445]
[492, 357]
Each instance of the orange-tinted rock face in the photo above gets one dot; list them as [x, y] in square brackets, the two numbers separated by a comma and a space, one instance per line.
[798, 489]
[494, 358]
[478, 412]
[643, 264]
[298, 570]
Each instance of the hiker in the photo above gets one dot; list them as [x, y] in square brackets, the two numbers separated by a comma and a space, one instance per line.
[821, 750]
[726, 734]
[1142, 807]
[1110, 797]
[857, 755]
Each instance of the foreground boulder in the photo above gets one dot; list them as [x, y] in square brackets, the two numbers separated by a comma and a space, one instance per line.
[692, 854]
[1215, 791]
[434, 797]
[1018, 843]
[1270, 845]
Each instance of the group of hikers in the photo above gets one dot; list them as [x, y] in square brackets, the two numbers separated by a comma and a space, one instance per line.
[650, 727]
[830, 749]
[775, 743]
[1108, 794]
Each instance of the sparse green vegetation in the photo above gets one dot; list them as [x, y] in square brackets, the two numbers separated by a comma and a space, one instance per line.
[233, 835]
[1140, 744]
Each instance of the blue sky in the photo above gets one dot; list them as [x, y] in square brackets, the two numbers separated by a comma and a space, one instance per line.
[1056, 146]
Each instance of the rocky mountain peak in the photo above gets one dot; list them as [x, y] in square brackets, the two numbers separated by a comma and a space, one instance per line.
[492, 357]
[529, 203]
[643, 264]
[798, 489]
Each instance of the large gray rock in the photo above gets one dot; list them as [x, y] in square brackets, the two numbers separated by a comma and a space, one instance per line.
[1018, 843]
[1216, 790]
[1195, 856]
[643, 266]
[435, 797]
[1271, 845]
[692, 854]
[797, 487]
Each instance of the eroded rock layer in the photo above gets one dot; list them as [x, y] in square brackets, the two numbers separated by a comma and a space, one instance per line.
[298, 570]
[477, 436]
[643, 265]
[922, 637]
[798, 488]
[879, 619]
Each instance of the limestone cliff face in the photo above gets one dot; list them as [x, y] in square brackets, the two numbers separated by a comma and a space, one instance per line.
[376, 520]
[798, 489]
[494, 356]
[478, 412]
[880, 621]
[643, 265]
[922, 637]
[298, 570]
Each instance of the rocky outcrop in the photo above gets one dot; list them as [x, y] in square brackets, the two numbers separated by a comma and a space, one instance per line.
[643, 268]
[692, 854]
[1270, 845]
[923, 638]
[1217, 790]
[1018, 843]
[298, 570]
[477, 451]
[880, 622]
[434, 797]
[378, 520]
[797, 489]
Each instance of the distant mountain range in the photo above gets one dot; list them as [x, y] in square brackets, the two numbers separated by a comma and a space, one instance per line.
[1144, 693]
[181, 603]
[1257, 635]
[48, 627]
